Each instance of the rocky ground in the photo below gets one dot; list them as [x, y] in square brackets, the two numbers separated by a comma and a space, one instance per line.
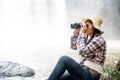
[43, 62]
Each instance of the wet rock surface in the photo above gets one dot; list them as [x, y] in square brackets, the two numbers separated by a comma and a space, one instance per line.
[10, 69]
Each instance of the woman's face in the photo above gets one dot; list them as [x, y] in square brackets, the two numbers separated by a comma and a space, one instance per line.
[90, 28]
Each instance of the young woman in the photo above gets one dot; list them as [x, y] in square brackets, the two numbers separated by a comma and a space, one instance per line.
[92, 47]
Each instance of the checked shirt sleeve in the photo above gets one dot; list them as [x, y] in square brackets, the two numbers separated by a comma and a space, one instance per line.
[93, 45]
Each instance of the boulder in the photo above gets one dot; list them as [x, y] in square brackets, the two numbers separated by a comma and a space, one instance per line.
[10, 69]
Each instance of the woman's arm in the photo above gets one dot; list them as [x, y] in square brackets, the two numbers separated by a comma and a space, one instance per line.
[85, 49]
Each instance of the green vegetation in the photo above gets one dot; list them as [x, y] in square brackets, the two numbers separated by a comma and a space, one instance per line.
[111, 72]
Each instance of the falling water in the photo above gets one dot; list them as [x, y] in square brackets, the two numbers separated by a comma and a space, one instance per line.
[31, 30]
[30, 25]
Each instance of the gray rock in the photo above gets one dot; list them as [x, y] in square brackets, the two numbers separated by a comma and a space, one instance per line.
[10, 69]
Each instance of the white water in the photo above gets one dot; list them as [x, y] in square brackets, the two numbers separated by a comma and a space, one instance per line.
[31, 32]
[30, 25]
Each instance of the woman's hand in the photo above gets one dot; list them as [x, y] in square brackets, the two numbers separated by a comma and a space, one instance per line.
[76, 32]
[83, 29]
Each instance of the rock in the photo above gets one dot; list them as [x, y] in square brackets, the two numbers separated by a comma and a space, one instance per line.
[118, 68]
[10, 69]
[118, 65]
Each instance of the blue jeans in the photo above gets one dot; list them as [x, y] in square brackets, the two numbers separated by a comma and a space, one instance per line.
[75, 71]
[66, 76]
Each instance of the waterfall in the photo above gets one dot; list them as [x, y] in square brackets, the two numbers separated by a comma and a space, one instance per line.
[28, 26]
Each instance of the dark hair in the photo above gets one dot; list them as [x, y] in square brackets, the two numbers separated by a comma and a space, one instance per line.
[89, 21]
[96, 31]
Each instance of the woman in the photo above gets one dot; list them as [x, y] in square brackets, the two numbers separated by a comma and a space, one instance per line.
[92, 47]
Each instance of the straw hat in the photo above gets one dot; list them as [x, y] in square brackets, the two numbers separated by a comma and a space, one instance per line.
[97, 21]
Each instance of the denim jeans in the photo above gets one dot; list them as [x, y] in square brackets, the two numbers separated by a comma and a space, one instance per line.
[75, 71]
[66, 76]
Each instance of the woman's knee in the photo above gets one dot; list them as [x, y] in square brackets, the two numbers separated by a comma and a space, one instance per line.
[64, 58]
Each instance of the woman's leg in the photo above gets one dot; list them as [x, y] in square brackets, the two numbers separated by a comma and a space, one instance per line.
[59, 69]
[74, 68]
[66, 76]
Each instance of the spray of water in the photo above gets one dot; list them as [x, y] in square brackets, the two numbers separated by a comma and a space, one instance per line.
[28, 26]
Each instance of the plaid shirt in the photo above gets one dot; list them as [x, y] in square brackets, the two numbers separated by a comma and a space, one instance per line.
[93, 50]
[74, 42]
